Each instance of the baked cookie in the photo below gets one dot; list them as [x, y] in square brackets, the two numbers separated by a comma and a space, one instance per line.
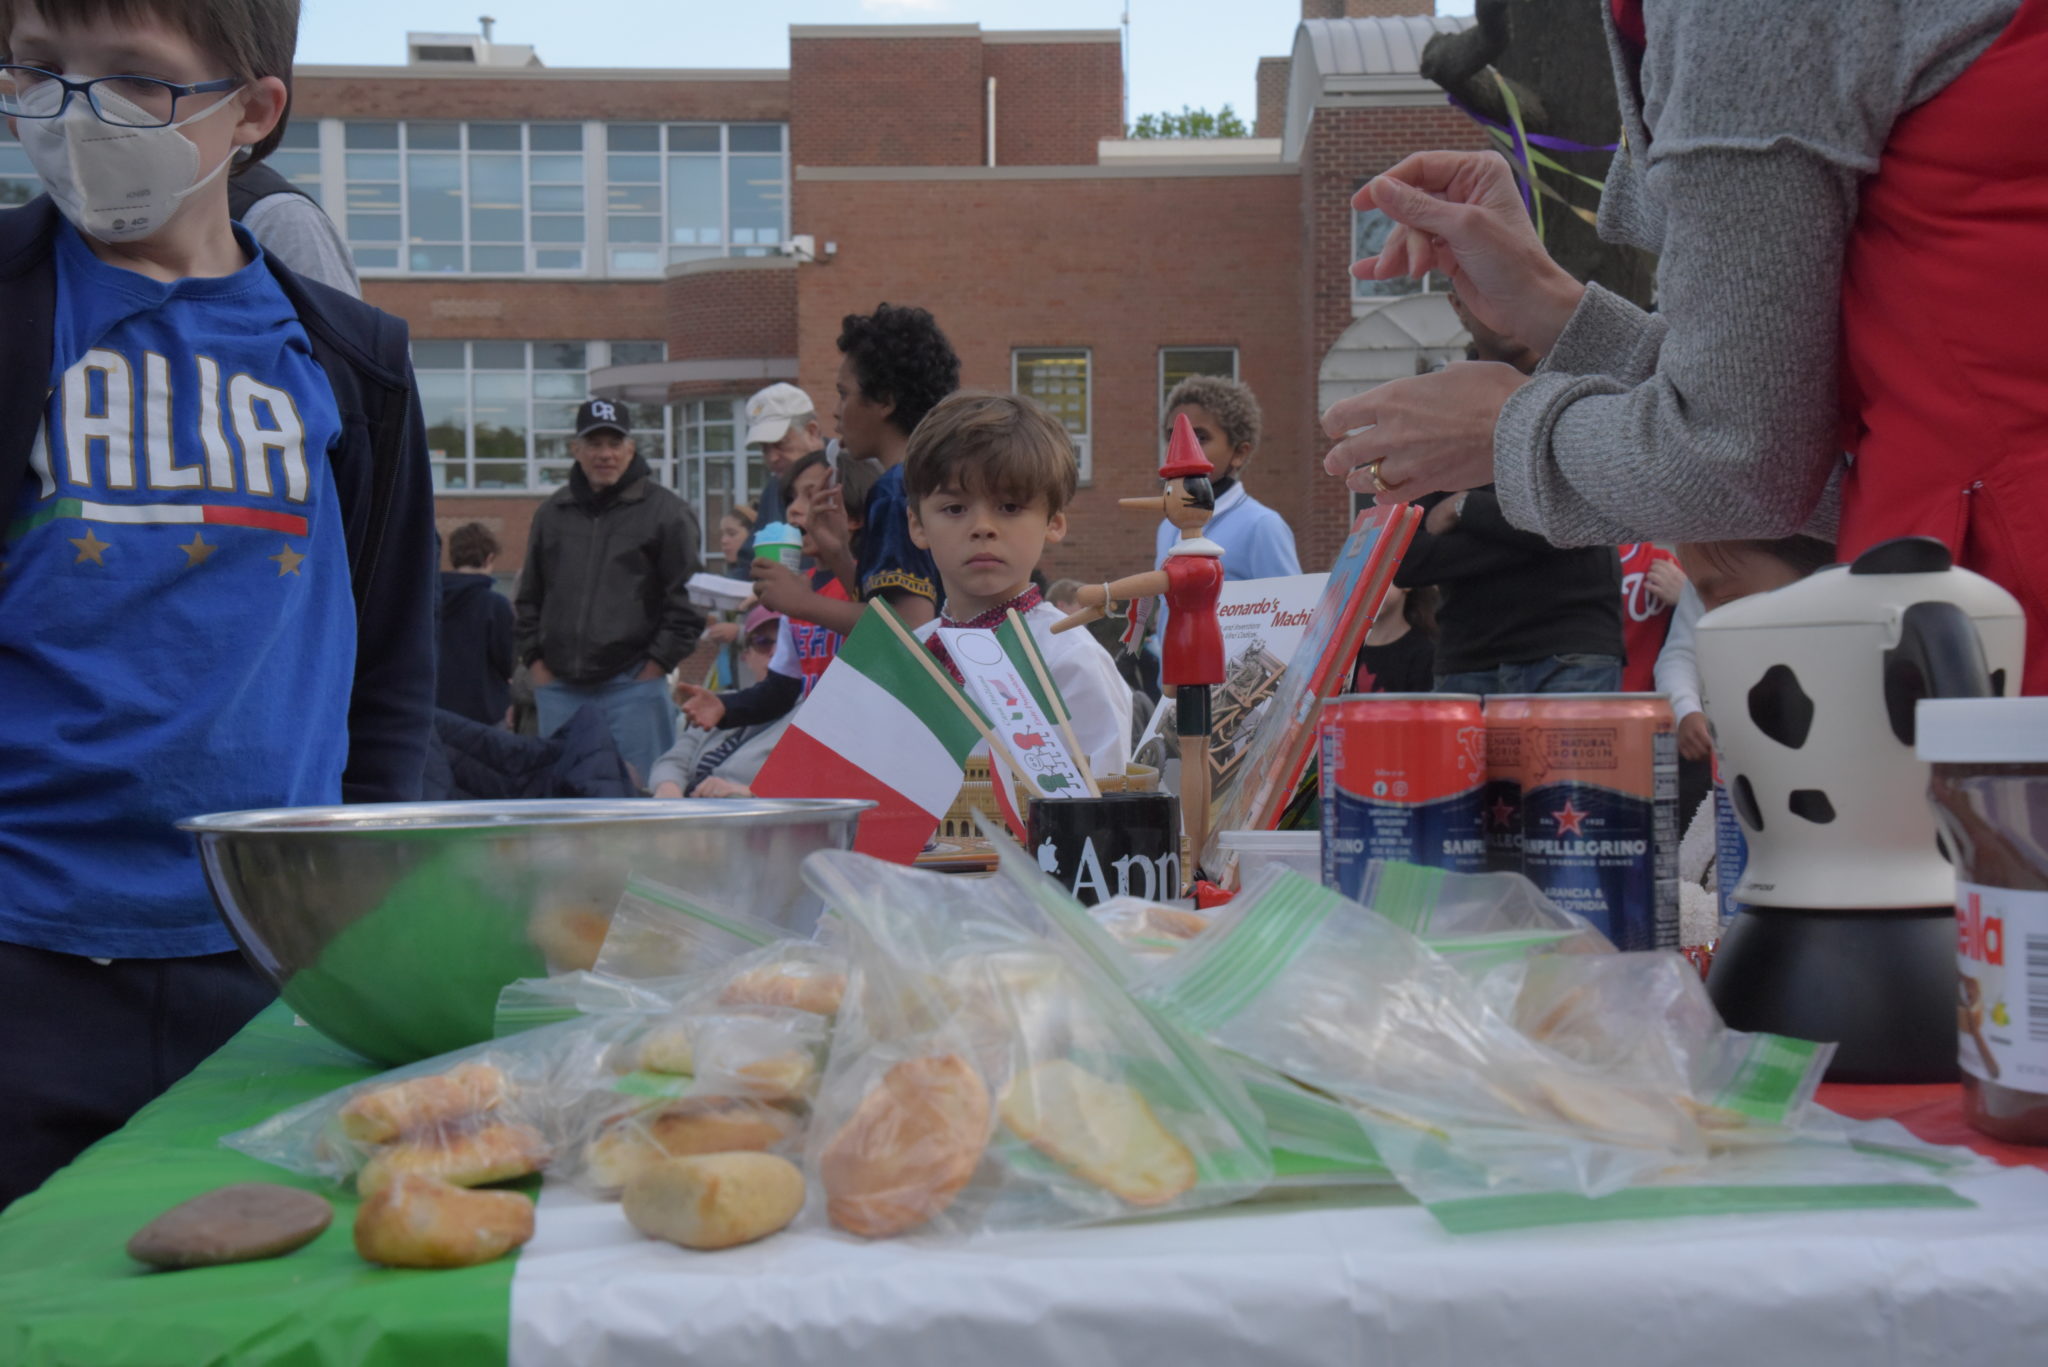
[910, 1146]
[420, 1222]
[237, 1224]
[1104, 1132]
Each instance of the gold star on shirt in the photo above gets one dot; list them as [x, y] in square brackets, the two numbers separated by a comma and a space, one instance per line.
[197, 549]
[90, 547]
[287, 561]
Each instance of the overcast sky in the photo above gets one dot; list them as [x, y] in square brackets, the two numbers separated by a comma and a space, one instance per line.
[1183, 52]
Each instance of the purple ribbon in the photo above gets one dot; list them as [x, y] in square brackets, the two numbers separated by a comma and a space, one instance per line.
[1525, 173]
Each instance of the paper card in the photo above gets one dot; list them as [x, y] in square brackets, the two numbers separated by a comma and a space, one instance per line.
[1030, 738]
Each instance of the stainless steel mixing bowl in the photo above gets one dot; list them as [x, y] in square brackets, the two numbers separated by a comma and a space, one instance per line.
[392, 927]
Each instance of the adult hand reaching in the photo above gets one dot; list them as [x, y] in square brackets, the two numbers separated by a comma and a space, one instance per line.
[704, 708]
[666, 788]
[1460, 213]
[1412, 437]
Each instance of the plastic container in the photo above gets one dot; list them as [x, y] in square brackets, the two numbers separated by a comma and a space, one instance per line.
[779, 544]
[1989, 787]
[1301, 851]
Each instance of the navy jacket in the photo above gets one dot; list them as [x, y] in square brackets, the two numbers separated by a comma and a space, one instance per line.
[476, 647]
[474, 762]
[380, 475]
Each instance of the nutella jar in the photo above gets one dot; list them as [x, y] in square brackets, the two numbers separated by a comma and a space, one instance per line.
[1989, 788]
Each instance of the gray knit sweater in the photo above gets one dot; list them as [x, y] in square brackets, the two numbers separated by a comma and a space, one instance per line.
[1716, 417]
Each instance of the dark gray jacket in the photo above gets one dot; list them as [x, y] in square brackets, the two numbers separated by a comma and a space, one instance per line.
[603, 587]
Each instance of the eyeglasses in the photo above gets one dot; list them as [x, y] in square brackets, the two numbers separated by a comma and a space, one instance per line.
[28, 92]
[765, 641]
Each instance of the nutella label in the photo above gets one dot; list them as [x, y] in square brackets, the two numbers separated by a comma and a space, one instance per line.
[2002, 999]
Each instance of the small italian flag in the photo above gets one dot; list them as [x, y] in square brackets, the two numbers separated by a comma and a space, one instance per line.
[884, 723]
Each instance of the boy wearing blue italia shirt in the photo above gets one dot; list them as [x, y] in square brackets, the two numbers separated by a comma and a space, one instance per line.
[216, 548]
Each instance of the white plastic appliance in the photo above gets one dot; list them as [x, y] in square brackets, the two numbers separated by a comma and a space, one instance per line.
[1849, 930]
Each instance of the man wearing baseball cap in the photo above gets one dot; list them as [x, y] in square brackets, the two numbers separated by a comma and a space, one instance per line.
[783, 422]
[603, 604]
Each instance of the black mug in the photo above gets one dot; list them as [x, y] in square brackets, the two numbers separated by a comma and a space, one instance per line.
[1103, 847]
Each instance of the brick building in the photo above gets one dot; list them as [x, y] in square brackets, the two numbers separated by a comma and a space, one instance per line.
[681, 237]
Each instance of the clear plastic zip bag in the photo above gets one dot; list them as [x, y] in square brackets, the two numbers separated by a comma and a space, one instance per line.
[988, 1078]
[1490, 1126]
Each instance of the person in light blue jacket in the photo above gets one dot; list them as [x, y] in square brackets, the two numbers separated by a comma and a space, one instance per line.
[1257, 542]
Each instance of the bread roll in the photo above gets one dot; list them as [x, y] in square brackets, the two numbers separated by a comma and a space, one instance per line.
[419, 1222]
[714, 1200]
[667, 1049]
[1105, 1132]
[694, 1125]
[463, 1158]
[718, 1124]
[783, 1077]
[802, 986]
[570, 934]
[911, 1145]
[384, 1113]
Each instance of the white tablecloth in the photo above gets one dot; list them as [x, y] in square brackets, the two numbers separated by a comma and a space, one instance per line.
[1360, 1279]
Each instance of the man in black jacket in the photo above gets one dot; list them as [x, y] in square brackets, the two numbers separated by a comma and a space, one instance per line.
[476, 630]
[604, 606]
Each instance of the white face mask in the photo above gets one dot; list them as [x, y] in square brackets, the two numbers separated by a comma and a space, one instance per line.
[117, 184]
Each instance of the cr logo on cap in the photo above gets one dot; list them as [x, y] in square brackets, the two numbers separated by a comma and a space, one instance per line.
[600, 409]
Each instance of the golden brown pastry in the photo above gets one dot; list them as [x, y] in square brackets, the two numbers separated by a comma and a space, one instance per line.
[570, 934]
[383, 1114]
[782, 1077]
[1174, 922]
[463, 1158]
[677, 1129]
[1105, 1132]
[667, 1049]
[910, 1146]
[816, 990]
[714, 1200]
[718, 1124]
[419, 1222]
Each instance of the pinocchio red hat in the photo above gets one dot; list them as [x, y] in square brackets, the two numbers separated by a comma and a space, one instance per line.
[1184, 458]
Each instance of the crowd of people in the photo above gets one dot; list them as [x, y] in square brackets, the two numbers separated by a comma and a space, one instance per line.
[183, 630]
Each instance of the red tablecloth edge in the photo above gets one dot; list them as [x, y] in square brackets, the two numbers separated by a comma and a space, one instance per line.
[1931, 1112]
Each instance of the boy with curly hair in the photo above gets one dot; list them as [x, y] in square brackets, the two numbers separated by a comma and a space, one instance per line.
[1257, 542]
[896, 366]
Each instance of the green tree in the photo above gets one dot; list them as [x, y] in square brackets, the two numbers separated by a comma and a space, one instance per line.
[1192, 123]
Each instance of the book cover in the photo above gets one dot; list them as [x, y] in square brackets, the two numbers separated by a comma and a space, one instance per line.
[1257, 771]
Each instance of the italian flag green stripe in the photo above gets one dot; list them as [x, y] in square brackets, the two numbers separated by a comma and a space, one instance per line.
[886, 724]
[891, 658]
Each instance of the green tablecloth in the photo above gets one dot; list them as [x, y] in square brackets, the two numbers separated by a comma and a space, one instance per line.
[70, 1295]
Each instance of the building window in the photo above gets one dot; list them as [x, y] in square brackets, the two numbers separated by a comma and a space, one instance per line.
[297, 157]
[455, 198]
[19, 182]
[499, 415]
[1369, 229]
[1177, 363]
[1058, 378]
[684, 191]
[712, 473]
[512, 198]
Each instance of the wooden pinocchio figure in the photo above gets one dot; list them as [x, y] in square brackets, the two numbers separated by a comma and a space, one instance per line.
[1191, 581]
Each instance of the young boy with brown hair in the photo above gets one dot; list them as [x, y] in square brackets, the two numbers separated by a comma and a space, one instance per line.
[217, 528]
[989, 477]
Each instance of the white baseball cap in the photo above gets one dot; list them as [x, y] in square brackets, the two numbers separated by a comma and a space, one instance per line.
[770, 412]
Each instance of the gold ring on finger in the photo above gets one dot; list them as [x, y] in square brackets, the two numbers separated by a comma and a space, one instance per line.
[1377, 483]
